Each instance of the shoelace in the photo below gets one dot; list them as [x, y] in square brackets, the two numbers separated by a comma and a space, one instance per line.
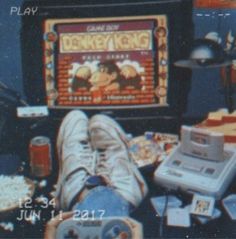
[86, 157]
[104, 155]
[102, 164]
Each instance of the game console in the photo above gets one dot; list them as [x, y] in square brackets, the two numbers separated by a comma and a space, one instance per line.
[106, 228]
[199, 164]
[201, 143]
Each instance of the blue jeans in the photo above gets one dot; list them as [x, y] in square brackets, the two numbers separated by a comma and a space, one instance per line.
[103, 201]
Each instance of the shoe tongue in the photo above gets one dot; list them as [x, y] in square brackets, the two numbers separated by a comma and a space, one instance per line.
[83, 139]
[102, 139]
[104, 144]
[83, 136]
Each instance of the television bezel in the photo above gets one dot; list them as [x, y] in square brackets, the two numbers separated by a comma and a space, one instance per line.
[178, 12]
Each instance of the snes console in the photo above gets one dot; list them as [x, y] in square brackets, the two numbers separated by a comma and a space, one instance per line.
[201, 143]
[201, 163]
[106, 228]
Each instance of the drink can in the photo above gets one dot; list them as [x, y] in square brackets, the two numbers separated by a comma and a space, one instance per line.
[40, 156]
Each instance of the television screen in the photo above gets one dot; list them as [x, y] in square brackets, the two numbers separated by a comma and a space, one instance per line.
[115, 58]
[106, 62]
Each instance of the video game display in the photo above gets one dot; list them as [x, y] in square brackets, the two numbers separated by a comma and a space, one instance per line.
[119, 62]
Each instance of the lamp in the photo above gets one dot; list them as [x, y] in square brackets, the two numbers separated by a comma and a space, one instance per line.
[207, 53]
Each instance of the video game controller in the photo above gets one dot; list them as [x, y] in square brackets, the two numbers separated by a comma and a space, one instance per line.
[106, 228]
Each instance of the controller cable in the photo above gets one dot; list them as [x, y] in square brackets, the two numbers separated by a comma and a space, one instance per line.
[162, 216]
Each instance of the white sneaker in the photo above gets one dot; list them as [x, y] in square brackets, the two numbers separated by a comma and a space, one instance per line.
[113, 161]
[76, 159]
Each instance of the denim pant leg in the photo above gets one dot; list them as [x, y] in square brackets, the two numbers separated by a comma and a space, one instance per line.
[106, 201]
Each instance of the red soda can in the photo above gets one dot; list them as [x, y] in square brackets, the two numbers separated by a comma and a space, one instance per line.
[40, 156]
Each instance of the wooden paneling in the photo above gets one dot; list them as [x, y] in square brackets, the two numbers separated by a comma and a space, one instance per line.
[215, 3]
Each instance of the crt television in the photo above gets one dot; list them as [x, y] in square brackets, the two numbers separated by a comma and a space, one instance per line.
[114, 57]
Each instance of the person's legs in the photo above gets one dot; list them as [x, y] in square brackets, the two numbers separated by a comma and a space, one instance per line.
[113, 161]
[103, 201]
[76, 159]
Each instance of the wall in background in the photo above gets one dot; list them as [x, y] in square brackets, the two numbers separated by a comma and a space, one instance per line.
[10, 59]
[204, 95]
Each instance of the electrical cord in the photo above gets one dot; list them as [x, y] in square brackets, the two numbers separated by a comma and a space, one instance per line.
[162, 216]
